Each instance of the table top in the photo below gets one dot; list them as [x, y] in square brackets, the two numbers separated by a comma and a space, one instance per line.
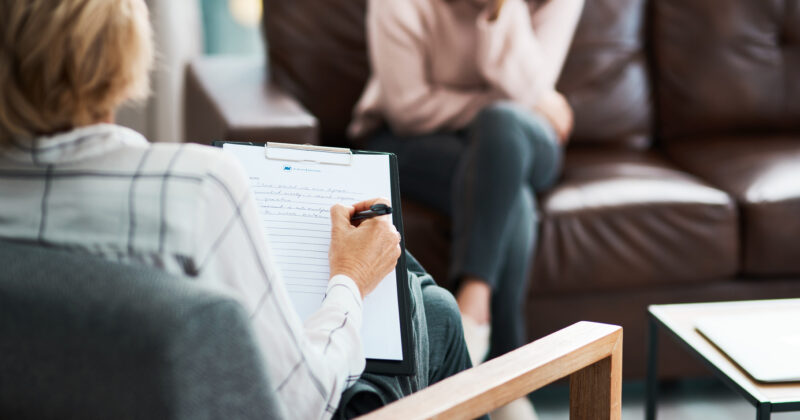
[680, 320]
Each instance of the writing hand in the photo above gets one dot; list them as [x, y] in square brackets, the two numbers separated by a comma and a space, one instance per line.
[366, 253]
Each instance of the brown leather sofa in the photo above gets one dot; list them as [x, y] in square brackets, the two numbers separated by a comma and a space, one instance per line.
[681, 182]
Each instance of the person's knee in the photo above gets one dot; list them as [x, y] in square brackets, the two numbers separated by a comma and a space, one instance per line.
[441, 310]
[503, 122]
[500, 131]
[548, 154]
[503, 113]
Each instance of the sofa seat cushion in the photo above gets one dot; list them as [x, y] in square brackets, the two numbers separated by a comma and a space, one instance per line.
[624, 219]
[763, 176]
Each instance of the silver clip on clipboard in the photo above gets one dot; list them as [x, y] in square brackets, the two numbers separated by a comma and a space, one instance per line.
[308, 153]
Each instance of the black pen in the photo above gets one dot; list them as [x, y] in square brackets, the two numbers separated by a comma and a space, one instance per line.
[374, 210]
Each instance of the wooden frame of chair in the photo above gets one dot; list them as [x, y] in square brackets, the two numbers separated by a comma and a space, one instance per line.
[590, 353]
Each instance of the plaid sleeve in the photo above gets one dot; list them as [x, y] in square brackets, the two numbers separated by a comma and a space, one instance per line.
[310, 365]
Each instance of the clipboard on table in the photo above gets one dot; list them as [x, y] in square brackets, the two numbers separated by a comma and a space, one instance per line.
[294, 185]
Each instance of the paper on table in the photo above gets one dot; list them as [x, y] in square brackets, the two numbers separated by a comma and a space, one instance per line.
[294, 198]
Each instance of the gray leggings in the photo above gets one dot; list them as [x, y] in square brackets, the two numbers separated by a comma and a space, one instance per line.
[485, 177]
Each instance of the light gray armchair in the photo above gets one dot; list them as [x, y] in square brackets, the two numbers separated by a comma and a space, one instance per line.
[85, 338]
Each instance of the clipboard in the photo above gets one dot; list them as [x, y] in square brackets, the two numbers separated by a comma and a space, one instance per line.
[344, 157]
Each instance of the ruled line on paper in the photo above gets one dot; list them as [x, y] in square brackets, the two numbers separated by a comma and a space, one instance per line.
[293, 201]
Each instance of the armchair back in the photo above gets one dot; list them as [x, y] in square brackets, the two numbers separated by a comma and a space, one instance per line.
[87, 338]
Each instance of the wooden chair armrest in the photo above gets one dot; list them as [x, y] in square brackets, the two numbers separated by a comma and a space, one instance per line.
[590, 352]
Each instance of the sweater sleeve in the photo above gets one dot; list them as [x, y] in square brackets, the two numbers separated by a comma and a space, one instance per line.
[522, 56]
[411, 103]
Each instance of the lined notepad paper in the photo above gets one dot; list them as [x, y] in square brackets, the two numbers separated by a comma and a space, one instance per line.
[294, 195]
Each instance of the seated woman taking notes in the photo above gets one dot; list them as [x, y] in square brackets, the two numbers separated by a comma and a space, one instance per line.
[463, 91]
[70, 178]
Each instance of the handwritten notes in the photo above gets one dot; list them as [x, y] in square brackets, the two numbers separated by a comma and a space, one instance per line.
[294, 198]
[296, 220]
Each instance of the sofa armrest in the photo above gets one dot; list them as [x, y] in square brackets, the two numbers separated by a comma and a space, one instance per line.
[229, 98]
[589, 352]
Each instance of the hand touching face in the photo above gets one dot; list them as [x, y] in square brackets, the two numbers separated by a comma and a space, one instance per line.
[554, 106]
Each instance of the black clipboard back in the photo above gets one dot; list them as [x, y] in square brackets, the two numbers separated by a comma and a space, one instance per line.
[343, 156]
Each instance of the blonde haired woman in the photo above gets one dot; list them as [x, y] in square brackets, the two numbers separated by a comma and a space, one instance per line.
[463, 91]
[69, 178]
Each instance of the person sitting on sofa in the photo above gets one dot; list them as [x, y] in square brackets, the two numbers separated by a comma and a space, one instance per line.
[71, 179]
[463, 91]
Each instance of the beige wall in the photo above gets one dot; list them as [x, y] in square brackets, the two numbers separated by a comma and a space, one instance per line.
[178, 37]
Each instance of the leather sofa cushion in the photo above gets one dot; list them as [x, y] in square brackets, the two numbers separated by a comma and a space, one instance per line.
[427, 234]
[605, 76]
[626, 219]
[723, 66]
[763, 176]
[228, 98]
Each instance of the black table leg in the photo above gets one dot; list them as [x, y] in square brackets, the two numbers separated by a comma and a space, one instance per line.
[652, 370]
[763, 411]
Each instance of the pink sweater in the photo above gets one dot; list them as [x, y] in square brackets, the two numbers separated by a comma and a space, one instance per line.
[436, 63]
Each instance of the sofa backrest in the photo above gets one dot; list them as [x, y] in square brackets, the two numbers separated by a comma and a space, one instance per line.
[726, 66]
[318, 52]
[606, 75]
[85, 338]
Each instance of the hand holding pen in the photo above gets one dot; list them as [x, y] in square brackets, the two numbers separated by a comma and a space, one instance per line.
[364, 246]
[378, 209]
